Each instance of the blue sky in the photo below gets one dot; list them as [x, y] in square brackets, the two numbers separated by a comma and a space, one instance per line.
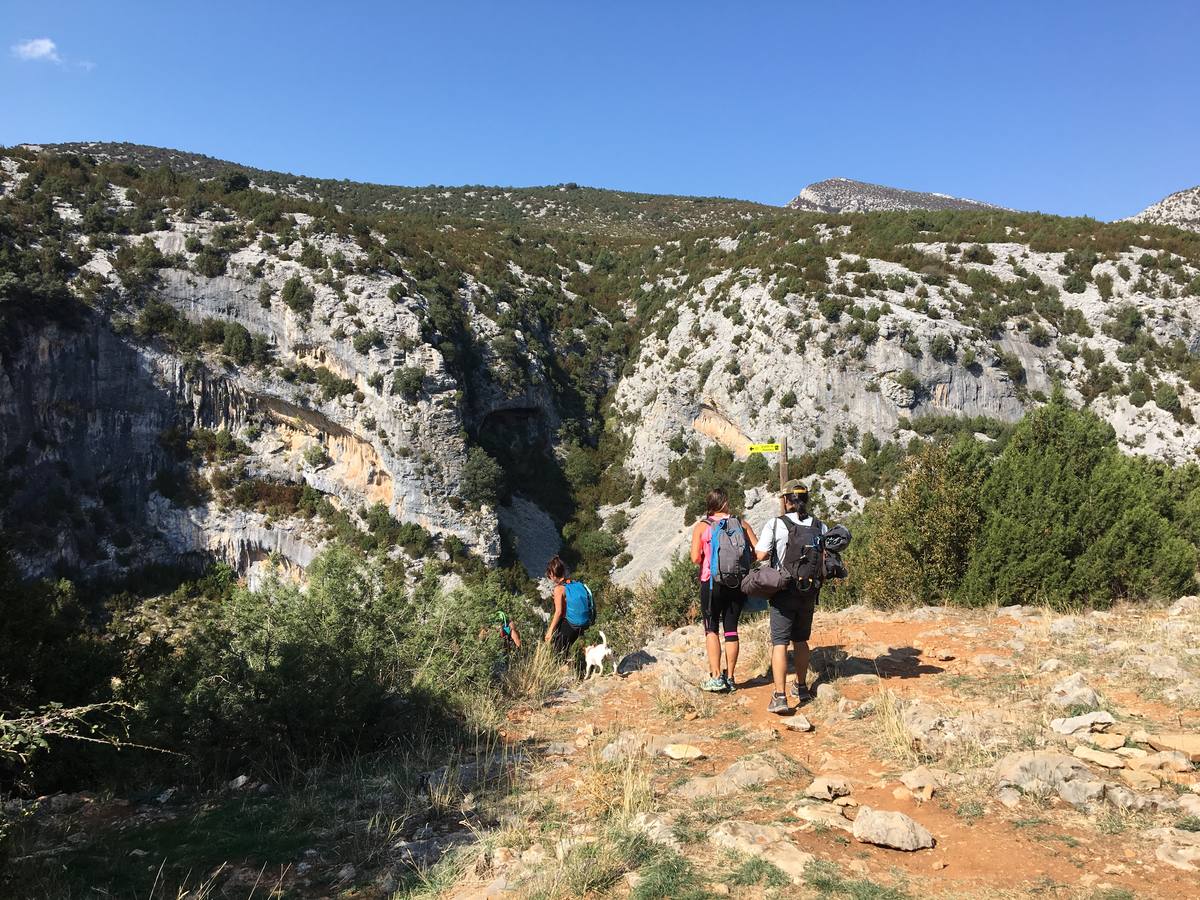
[1063, 106]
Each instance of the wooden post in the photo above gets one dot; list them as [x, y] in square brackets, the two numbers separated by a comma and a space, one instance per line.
[783, 469]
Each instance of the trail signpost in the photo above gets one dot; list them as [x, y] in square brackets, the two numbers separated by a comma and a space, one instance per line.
[783, 472]
[781, 449]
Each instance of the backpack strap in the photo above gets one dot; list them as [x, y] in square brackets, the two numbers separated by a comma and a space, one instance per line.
[713, 526]
[776, 562]
[819, 529]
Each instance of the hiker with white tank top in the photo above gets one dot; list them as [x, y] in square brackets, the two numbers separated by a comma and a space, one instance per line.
[793, 544]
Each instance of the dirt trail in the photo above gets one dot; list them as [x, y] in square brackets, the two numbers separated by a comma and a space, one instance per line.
[958, 662]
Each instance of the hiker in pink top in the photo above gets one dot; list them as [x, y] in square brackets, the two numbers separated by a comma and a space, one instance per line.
[720, 604]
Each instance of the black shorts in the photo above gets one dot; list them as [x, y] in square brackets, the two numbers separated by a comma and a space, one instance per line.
[792, 617]
[565, 634]
[721, 607]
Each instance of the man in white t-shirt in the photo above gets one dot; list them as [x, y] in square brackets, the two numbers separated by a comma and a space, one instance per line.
[792, 609]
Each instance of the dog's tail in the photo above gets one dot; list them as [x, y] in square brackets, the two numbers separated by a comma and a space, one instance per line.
[603, 639]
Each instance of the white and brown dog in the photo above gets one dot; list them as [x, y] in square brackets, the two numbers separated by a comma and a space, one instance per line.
[595, 655]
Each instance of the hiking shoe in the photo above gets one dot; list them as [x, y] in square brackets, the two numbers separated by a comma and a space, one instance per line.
[714, 685]
[778, 704]
[729, 685]
[803, 694]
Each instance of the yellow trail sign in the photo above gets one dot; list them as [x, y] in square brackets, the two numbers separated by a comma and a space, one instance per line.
[764, 448]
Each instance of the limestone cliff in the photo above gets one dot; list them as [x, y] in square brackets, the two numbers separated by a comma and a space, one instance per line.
[176, 354]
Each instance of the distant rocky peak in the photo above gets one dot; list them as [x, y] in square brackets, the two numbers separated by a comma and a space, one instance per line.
[842, 195]
[1181, 209]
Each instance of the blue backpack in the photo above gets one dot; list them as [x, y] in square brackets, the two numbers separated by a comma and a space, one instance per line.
[729, 552]
[581, 609]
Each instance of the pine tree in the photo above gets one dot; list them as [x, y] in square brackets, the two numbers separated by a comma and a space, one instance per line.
[923, 537]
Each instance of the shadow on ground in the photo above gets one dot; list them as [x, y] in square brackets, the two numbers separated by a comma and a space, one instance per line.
[834, 662]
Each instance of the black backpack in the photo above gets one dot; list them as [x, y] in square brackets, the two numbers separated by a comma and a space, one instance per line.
[802, 562]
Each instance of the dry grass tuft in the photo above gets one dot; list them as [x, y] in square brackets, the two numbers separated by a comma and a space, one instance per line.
[894, 736]
[680, 704]
[591, 869]
[533, 677]
[615, 791]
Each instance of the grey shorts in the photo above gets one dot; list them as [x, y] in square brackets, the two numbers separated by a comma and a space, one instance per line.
[791, 619]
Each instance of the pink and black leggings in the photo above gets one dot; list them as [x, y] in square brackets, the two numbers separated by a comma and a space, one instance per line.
[721, 607]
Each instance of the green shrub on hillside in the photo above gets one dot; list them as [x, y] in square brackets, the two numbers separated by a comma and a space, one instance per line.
[316, 456]
[1060, 517]
[1076, 283]
[137, 264]
[285, 676]
[332, 385]
[209, 262]
[238, 344]
[364, 340]
[483, 480]
[921, 538]
[1167, 398]
[977, 253]
[676, 598]
[1069, 519]
[407, 382]
[1011, 365]
[311, 257]
[942, 348]
[1125, 324]
[298, 296]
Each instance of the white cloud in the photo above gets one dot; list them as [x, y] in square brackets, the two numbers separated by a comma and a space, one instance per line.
[37, 50]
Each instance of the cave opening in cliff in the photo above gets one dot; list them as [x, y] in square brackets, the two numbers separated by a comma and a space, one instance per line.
[522, 441]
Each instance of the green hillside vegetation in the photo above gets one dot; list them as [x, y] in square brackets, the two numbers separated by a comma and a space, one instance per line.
[583, 308]
[560, 206]
[1059, 517]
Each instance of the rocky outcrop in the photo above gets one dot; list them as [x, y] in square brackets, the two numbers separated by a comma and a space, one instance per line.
[85, 411]
[781, 389]
[746, 362]
[766, 841]
[81, 415]
[842, 195]
[1181, 209]
[404, 453]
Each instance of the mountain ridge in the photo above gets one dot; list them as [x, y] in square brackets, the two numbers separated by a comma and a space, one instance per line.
[845, 195]
[594, 209]
[1181, 209]
[567, 204]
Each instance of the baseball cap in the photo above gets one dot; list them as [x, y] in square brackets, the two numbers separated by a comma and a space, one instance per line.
[794, 486]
